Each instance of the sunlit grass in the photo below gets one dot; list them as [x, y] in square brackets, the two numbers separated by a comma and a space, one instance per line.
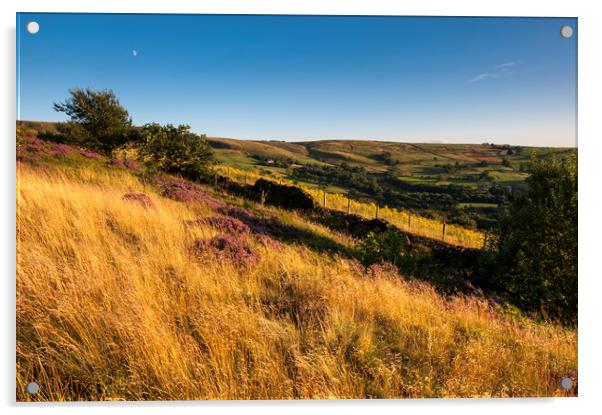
[111, 304]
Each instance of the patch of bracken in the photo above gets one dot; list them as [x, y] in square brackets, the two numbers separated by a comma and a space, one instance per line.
[140, 198]
[185, 191]
[233, 249]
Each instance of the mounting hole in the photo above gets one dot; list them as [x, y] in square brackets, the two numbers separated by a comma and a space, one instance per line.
[33, 27]
[32, 388]
[566, 32]
[566, 383]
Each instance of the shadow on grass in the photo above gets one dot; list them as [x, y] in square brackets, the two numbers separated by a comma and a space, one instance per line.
[274, 228]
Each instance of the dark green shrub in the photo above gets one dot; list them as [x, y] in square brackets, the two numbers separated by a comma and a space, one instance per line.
[387, 246]
[535, 248]
[175, 150]
[288, 197]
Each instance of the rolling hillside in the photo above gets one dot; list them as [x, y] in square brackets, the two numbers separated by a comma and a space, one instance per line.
[461, 184]
[136, 287]
[412, 162]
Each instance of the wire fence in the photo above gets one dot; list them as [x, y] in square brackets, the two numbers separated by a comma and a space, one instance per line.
[404, 220]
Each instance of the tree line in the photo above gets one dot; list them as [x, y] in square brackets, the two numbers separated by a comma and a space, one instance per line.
[99, 122]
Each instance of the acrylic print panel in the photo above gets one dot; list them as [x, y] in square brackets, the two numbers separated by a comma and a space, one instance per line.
[295, 207]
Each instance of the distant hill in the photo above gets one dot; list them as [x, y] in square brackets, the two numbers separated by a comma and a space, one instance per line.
[459, 183]
[418, 160]
[375, 156]
[37, 126]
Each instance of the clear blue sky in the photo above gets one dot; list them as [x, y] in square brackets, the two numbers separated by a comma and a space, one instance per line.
[420, 79]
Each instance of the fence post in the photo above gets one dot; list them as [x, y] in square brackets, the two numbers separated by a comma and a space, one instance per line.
[409, 216]
[377, 210]
[443, 236]
[324, 199]
[348, 204]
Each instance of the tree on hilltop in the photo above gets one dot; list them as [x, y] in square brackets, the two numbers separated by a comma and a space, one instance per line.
[97, 120]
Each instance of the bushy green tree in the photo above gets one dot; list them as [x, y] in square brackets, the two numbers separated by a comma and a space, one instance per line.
[175, 150]
[97, 120]
[536, 244]
[385, 246]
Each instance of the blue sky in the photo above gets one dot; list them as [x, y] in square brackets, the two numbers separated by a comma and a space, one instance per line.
[410, 79]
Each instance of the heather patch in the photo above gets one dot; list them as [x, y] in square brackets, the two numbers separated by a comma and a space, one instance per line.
[269, 226]
[273, 228]
[90, 154]
[126, 164]
[116, 163]
[185, 191]
[228, 248]
[33, 149]
[140, 198]
[231, 225]
[132, 165]
[228, 225]
[60, 149]
[237, 212]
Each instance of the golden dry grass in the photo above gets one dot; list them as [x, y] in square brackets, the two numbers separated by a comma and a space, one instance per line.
[111, 305]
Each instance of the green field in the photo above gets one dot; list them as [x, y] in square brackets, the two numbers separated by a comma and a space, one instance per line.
[432, 164]
[477, 205]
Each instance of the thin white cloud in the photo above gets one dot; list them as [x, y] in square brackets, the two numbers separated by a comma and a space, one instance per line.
[480, 77]
[501, 70]
[507, 64]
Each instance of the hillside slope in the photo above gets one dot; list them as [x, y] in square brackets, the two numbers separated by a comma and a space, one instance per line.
[130, 289]
[418, 160]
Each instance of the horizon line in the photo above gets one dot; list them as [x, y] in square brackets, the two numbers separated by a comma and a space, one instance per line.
[309, 140]
[377, 140]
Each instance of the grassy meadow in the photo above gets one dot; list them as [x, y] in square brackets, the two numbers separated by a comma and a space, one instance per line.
[115, 302]
[413, 163]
